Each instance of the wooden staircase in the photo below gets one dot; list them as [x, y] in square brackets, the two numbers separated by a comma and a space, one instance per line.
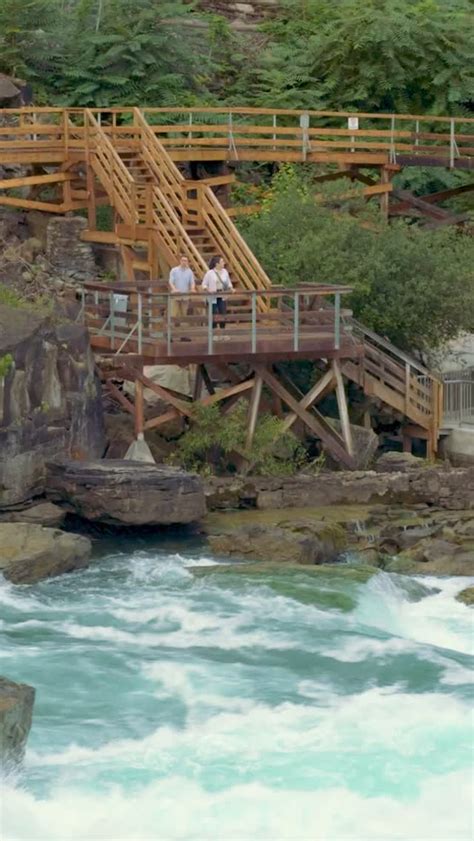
[395, 378]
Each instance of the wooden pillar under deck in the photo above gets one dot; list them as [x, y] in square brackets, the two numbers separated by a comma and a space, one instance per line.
[384, 198]
[253, 410]
[138, 414]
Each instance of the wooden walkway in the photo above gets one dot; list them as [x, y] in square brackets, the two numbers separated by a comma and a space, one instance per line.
[133, 327]
[125, 158]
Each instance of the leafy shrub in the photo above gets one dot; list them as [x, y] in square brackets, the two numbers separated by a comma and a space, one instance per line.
[216, 443]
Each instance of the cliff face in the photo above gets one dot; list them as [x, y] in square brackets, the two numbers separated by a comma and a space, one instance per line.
[50, 399]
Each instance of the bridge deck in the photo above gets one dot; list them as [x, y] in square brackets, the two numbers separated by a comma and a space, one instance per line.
[297, 324]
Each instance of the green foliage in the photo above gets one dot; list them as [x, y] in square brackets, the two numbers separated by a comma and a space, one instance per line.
[412, 56]
[215, 443]
[372, 55]
[412, 285]
[99, 52]
[6, 364]
[9, 298]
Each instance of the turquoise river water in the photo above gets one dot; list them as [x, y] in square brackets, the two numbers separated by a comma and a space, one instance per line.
[230, 707]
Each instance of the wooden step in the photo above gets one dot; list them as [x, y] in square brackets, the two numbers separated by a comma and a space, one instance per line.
[141, 265]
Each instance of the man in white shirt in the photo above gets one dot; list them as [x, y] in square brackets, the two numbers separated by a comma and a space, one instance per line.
[181, 282]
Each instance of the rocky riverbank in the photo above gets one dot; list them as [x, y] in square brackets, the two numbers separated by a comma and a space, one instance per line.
[399, 479]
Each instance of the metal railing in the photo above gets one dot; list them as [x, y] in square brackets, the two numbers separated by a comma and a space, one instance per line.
[138, 319]
[458, 403]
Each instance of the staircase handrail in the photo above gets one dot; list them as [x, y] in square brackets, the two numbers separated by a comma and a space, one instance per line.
[115, 176]
[174, 234]
[232, 245]
[171, 180]
[406, 358]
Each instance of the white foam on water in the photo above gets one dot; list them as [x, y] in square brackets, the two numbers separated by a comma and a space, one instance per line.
[178, 809]
[436, 619]
[379, 718]
[227, 636]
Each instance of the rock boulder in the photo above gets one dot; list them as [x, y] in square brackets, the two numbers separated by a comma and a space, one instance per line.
[126, 493]
[309, 542]
[16, 710]
[29, 553]
[50, 399]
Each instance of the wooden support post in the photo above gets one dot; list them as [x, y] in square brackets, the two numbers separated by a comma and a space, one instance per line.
[253, 411]
[198, 380]
[406, 439]
[139, 418]
[384, 197]
[315, 424]
[91, 202]
[207, 380]
[342, 406]
[323, 386]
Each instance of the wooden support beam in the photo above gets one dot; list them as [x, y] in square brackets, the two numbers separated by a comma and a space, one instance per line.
[207, 380]
[233, 391]
[180, 405]
[330, 441]
[197, 389]
[342, 406]
[120, 398]
[325, 384]
[29, 204]
[253, 411]
[212, 181]
[32, 180]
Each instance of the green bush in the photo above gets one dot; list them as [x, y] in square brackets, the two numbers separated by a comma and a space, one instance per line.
[412, 285]
[215, 443]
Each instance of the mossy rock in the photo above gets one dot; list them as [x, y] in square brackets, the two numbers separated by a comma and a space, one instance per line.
[466, 596]
[312, 542]
[353, 572]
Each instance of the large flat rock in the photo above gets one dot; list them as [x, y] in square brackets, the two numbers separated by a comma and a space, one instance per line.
[126, 492]
[16, 710]
[29, 553]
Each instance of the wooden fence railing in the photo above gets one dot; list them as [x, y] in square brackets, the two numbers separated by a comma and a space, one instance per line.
[303, 132]
[112, 172]
[447, 140]
[397, 379]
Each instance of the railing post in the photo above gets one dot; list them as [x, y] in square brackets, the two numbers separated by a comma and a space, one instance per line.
[140, 323]
[168, 324]
[407, 387]
[296, 322]
[453, 149]
[304, 125]
[210, 325]
[254, 322]
[337, 321]
[112, 319]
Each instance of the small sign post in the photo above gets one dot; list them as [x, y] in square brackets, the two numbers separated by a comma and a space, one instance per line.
[353, 125]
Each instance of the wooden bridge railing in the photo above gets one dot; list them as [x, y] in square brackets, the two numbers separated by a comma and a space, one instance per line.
[284, 133]
[130, 319]
[279, 131]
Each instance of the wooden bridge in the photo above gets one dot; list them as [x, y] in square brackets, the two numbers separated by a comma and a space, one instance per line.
[126, 158]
